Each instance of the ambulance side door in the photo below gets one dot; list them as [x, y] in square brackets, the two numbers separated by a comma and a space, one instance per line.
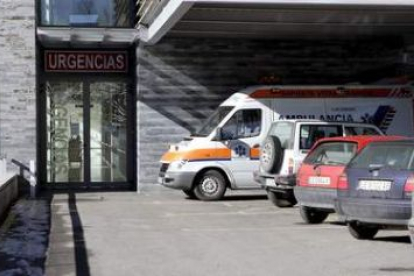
[241, 134]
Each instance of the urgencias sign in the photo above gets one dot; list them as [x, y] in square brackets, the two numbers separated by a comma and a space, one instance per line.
[86, 61]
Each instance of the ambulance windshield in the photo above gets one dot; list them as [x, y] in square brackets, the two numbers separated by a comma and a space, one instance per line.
[213, 121]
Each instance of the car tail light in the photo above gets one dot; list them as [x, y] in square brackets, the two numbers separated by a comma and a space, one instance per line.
[409, 186]
[342, 182]
[291, 166]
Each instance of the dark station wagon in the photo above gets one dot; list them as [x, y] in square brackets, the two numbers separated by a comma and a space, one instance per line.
[376, 188]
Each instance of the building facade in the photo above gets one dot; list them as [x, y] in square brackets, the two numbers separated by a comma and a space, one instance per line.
[17, 80]
[95, 91]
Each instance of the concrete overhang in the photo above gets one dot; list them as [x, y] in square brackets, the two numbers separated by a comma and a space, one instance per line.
[86, 37]
[270, 19]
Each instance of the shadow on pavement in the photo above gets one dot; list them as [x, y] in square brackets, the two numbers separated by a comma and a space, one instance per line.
[397, 269]
[81, 255]
[396, 239]
[244, 197]
[339, 223]
[235, 198]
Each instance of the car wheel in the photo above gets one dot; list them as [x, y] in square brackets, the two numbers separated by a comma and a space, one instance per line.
[189, 193]
[280, 200]
[312, 215]
[361, 231]
[210, 186]
[271, 154]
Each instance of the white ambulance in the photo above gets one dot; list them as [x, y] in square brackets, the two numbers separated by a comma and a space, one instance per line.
[224, 152]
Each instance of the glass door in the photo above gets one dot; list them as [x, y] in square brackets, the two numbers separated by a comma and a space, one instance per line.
[108, 125]
[65, 132]
[86, 126]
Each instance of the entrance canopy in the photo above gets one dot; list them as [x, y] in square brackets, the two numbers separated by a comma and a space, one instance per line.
[270, 19]
[86, 37]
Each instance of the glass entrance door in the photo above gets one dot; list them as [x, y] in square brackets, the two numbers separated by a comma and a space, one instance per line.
[108, 122]
[86, 126]
[65, 132]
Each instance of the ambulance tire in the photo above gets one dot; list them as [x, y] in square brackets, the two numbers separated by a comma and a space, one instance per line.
[280, 200]
[211, 185]
[271, 155]
[189, 193]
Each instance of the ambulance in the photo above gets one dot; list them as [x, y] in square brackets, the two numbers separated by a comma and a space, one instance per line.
[225, 151]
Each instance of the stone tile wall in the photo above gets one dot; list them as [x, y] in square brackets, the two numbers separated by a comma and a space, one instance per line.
[17, 80]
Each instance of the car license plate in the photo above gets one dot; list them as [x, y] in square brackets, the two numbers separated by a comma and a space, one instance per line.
[319, 180]
[374, 185]
[270, 182]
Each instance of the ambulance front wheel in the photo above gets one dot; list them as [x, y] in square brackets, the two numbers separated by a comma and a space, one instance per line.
[211, 185]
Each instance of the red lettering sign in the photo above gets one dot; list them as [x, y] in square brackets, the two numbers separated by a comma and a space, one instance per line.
[86, 61]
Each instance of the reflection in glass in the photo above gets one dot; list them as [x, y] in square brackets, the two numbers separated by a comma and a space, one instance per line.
[108, 132]
[87, 13]
[64, 132]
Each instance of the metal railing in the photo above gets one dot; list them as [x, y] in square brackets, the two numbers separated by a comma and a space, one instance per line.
[23, 168]
[31, 172]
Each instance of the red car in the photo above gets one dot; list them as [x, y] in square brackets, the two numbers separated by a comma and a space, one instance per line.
[317, 178]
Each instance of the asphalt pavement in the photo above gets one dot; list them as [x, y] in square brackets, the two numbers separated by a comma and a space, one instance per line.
[161, 232]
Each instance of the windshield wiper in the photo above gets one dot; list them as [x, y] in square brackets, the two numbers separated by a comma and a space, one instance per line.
[335, 163]
[196, 134]
[375, 167]
[316, 165]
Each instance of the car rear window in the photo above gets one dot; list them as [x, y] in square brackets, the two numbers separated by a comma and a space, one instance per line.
[284, 131]
[360, 130]
[332, 153]
[309, 134]
[385, 155]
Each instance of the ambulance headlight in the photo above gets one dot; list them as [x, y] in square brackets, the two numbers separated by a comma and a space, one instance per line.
[177, 165]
